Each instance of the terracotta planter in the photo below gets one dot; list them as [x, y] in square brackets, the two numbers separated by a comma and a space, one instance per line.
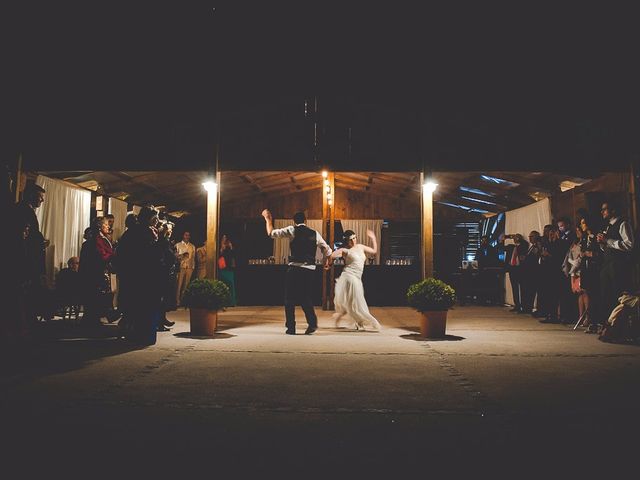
[203, 322]
[433, 324]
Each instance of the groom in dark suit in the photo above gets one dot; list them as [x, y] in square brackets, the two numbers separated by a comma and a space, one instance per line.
[301, 268]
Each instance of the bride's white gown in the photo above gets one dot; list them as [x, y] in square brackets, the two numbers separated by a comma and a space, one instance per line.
[349, 293]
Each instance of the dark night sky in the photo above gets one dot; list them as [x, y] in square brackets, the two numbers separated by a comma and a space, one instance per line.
[475, 88]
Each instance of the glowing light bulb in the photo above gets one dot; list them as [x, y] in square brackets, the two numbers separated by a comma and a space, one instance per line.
[325, 174]
[210, 186]
[430, 186]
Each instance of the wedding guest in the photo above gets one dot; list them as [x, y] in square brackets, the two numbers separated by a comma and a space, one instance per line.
[15, 324]
[187, 255]
[227, 266]
[69, 284]
[140, 266]
[567, 232]
[111, 220]
[616, 243]
[96, 255]
[531, 272]
[515, 255]
[169, 269]
[486, 255]
[591, 256]
[130, 221]
[553, 254]
[572, 267]
[201, 260]
[490, 275]
[568, 304]
[541, 303]
[23, 220]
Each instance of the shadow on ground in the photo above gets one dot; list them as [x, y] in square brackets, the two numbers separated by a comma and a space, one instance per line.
[420, 338]
[29, 360]
[217, 336]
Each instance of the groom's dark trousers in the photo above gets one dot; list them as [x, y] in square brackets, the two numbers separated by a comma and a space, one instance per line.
[298, 287]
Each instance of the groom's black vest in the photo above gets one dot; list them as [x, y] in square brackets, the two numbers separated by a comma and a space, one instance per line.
[303, 245]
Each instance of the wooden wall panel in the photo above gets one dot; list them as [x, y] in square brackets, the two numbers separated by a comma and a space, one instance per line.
[349, 205]
[284, 206]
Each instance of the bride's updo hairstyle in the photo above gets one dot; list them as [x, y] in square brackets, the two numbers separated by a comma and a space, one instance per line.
[346, 236]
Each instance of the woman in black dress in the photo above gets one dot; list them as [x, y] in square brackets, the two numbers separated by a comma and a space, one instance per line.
[589, 270]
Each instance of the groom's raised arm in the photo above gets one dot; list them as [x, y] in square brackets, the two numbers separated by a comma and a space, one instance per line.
[268, 221]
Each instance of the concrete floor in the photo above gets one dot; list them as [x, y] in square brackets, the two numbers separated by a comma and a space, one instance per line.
[502, 391]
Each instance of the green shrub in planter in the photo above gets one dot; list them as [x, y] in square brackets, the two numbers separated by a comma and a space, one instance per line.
[431, 294]
[206, 294]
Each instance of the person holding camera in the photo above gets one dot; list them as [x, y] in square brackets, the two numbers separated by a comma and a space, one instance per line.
[515, 256]
[552, 280]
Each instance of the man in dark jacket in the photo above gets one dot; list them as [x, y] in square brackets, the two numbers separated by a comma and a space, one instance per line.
[552, 278]
[141, 278]
[33, 244]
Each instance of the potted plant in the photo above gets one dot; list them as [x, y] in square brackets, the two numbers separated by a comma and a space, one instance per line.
[205, 298]
[432, 298]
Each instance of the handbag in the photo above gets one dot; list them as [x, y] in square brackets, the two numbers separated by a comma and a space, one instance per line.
[222, 264]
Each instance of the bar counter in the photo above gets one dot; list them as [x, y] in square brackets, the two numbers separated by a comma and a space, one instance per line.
[384, 285]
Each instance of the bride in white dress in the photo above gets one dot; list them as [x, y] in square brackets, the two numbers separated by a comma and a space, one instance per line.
[349, 294]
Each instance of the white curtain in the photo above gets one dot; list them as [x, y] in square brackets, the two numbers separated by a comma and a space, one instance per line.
[118, 209]
[63, 217]
[523, 220]
[281, 249]
[360, 228]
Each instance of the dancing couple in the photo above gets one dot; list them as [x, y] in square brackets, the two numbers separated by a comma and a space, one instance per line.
[349, 292]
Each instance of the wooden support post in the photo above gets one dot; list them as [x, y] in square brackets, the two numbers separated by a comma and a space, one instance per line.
[325, 219]
[426, 239]
[329, 239]
[213, 196]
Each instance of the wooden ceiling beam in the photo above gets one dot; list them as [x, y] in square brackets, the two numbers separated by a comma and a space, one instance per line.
[248, 179]
[537, 184]
[506, 195]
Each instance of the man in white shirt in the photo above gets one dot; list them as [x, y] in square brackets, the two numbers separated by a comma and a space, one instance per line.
[301, 268]
[616, 242]
[186, 252]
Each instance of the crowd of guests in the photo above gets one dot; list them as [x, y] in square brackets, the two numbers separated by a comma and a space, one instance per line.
[145, 269]
[569, 274]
